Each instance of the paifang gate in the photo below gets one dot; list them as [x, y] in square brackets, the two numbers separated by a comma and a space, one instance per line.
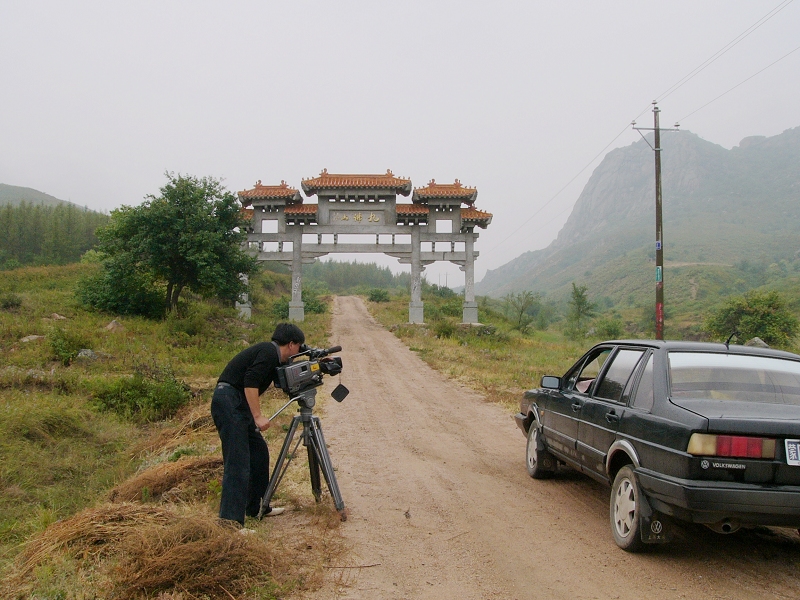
[438, 225]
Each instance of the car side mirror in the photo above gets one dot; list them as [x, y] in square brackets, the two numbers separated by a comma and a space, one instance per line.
[551, 383]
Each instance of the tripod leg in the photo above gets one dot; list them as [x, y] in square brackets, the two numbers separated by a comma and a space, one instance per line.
[280, 468]
[321, 450]
[313, 467]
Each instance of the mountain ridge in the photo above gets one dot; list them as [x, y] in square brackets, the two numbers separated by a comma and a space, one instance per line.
[719, 206]
[16, 195]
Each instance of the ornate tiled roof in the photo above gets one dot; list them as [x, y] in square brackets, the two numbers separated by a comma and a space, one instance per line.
[449, 191]
[473, 214]
[301, 209]
[270, 192]
[411, 209]
[328, 181]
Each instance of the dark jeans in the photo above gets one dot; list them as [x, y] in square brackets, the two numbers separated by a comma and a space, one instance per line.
[244, 454]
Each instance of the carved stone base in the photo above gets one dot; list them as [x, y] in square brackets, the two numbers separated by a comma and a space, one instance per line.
[245, 310]
[415, 312]
[470, 312]
[296, 311]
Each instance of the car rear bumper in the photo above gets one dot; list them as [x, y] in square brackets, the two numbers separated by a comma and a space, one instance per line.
[714, 501]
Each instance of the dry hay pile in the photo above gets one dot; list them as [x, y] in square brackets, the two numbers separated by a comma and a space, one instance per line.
[135, 551]
[176, 549]
[186, 479]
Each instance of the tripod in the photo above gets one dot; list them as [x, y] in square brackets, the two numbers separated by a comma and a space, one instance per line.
[318, 457]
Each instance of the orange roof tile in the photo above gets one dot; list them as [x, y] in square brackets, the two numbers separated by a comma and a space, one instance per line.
[301, 209]
[473, 214]
[270, 192]
[327, 181]
[451, 191]
[411, 209]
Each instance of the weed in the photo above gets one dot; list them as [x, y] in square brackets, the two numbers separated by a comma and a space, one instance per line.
[66, 345]
[10, 301]
[378, 295]
[153, 393]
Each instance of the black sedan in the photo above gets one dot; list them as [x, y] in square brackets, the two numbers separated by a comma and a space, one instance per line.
[706, 433]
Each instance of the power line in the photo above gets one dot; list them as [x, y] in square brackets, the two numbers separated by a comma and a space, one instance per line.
[740, 83]
[663, 95]
[723, 50]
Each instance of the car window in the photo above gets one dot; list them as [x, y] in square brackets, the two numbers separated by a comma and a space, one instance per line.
[618, 374]
[735, 377]
[644, 391]
[581, 378]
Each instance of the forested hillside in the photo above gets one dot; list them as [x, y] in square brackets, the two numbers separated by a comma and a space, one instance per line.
[37, 234]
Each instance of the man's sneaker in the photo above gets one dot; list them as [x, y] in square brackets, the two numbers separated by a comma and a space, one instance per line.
[275, 511]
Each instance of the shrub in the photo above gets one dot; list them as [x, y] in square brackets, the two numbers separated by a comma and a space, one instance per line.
[445, 329]
[66, 345]
[119, 292]
[313, 304]
[756, 314]
[378, 295]
[10, 301]
[608, 328]
[151, 394]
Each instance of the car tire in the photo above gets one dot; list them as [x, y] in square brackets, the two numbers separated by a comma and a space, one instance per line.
[541, 464]
[626, 502]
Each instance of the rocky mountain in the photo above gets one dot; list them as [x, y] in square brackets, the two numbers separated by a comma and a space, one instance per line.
[720, 207]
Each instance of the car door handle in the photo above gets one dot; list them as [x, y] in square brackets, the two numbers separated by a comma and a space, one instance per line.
[612, 417]
[576, 406]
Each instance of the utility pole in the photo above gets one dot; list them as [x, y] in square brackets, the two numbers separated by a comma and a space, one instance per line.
[659, 228]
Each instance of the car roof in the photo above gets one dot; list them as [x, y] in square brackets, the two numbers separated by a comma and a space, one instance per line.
[704, 347]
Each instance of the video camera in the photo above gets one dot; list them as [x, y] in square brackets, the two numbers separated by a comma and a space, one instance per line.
[297, 377]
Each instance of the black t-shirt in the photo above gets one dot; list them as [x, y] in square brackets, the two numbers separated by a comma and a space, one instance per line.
[253, 367]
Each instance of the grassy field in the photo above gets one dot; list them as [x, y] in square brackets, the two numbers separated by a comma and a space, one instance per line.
[110, 466]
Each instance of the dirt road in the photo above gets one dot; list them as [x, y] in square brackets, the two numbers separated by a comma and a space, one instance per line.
[441, 506]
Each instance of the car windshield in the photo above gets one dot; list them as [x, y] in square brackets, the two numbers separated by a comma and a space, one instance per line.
[734, 377]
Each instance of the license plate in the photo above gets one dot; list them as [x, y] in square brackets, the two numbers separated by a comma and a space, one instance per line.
[793, 452]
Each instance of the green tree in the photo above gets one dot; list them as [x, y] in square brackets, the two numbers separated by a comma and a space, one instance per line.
[188, 237]
[762, 314]
[521, 308]
[580, 312]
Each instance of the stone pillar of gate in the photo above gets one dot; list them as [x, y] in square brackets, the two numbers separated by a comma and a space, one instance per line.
[470, 314]
[415, 307]
[243, 304]
[296, 305]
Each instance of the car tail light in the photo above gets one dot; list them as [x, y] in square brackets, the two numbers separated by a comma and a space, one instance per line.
[732, 446]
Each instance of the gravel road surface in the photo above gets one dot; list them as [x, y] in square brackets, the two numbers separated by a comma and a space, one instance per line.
[440, 504]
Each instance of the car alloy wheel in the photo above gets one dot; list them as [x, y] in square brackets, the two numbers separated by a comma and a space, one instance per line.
[541, 464]
[625, 506]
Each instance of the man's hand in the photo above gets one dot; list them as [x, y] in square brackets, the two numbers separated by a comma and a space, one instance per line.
[262, 422]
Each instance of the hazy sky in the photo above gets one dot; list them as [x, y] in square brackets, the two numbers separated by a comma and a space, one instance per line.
[99, 99]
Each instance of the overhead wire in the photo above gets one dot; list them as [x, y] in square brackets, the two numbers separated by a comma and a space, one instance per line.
[662, 96]
[681, 82]
[740, 83]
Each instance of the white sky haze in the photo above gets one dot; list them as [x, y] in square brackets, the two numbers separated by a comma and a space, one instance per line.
[99, 98]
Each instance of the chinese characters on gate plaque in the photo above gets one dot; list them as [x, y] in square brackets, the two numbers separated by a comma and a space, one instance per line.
[356, 217]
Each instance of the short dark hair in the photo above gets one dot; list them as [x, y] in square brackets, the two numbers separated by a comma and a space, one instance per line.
[288, 332]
